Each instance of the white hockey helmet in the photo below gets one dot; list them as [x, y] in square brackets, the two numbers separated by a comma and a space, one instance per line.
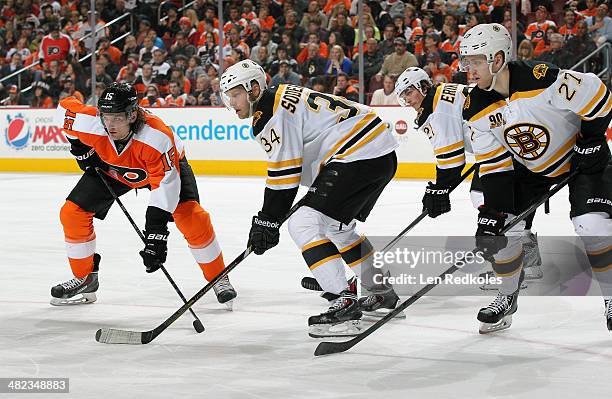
[487, 40]
[412, 76]
[242, 73]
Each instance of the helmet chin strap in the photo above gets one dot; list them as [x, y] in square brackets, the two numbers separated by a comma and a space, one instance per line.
[494, 74]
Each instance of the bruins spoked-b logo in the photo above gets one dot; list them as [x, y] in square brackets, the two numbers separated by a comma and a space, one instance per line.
[527, 140]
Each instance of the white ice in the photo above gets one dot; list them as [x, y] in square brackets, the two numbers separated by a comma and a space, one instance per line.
[557, 347]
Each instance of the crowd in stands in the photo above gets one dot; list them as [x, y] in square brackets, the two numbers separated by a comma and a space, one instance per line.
[171, 54]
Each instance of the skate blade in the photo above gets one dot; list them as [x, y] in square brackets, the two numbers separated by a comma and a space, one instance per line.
[503, 324]
[81, 299]
[380, 313]
[350, 328]
[489, 287]
[229, 305]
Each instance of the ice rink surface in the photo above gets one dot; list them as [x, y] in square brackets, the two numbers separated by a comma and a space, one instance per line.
[556, 348]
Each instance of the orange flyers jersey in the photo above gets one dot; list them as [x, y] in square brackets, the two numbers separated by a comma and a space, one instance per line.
[151, 157]
[535, 31]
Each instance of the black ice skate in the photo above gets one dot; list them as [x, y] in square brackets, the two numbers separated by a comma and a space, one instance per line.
[378, 304]
[328, 296]
[342, 319]
[608, 313]
[498, 315]
[78, 290]
[225, 292]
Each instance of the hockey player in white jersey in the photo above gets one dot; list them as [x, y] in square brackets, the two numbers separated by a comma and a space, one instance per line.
[550, 121]
[345, 154]
[440, 118]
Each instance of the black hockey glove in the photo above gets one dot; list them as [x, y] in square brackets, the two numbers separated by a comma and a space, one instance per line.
[590, 158]
[156, 248]
[488, 235]
[87, 157]
[264, 233]
[436, 200]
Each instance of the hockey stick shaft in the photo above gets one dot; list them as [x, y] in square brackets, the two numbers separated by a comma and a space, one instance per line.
[424, 213]
[326, 348]
[315, 286]
[113, 336]
[142, 238]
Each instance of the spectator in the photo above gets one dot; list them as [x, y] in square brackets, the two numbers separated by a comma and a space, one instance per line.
[51, 76]
[194, 69]
[580, 45]
[347, 33]
[209, 51]
[432, 47]
[281, 54]
[338, 62]
[435, 67]
[202, 90]
[161, 69]
[387, 45]
[569, 29]
[14, 97]
[21, 47]
[105, 47]
[439, 11]
[591, 9]
[182, 46]
[289, 44]
[451, 45]
[536, 30]
[146, 52]
[176, 97]
[292, 26]
[385, 95]
[189, 31]
[85, 29]
[215, 96]
[318, 84]
[314, 64]
[557, 55]
[129, 47]
[157, 41]
[285, 75]
[235, 43]
[525, 51]
[265, 20]
[263, 58]
[345, 89]
[313, 38]
[145, 79]
[177, 76]
[544, 45]
[168, 27]
[235, 20]
[600, 25]
[70, 91]
[264, 41]
[128, 72]
[397, 62]
[41, 97]
[93, 99]
[372, 61]
[152, 99]
[144, 26]
[101, 76]
[56, 45]
[313, 13]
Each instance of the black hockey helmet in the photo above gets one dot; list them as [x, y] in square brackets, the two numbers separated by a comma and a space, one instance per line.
[118, 97]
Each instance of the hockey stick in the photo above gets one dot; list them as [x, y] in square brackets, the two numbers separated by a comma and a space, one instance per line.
[197, 324]
[115, 336]
[310, 283]
[326, 348]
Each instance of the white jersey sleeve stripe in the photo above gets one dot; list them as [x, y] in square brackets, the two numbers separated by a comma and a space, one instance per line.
[596, 98]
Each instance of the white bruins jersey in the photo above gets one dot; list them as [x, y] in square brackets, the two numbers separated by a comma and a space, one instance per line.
[440, 118]
[302, 130]
[539, 123]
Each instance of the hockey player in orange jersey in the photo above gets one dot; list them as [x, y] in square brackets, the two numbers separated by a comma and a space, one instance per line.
[134, 149]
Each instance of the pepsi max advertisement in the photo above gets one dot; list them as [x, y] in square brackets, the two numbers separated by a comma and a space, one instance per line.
[26, 132]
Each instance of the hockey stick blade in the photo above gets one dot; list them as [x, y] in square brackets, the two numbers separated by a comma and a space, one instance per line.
[116, 336]
[328, 348]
